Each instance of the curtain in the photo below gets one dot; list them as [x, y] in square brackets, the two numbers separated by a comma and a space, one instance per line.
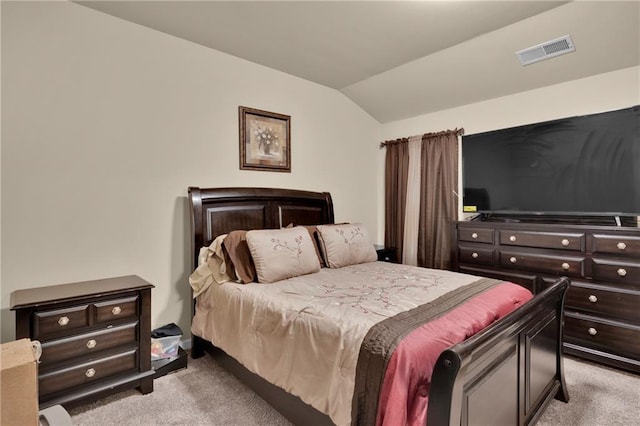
[395, 193]
[419, 207]
[439, 201]
[412, 204]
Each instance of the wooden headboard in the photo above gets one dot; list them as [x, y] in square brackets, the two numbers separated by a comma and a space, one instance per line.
[216, 211]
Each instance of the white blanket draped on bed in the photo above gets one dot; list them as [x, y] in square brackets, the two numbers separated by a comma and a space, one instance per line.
[303, 334]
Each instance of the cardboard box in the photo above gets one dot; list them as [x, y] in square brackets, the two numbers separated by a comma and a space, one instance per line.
[18, 384]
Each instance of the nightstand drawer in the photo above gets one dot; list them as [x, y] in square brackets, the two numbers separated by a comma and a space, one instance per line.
[87, 344]
[114, 310]
[386, 254]
[613, 336]
[55, 323]
[86, 373]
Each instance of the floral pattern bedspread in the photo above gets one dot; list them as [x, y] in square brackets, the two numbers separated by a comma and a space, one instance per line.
[303, 334]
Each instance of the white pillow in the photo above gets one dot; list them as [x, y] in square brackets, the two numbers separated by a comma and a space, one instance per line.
[346, 244]
[282, 253]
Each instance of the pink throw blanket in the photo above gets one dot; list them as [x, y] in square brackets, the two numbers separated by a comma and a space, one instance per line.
[405, 390]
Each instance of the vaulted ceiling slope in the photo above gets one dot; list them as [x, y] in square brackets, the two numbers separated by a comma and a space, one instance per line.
[400, 59]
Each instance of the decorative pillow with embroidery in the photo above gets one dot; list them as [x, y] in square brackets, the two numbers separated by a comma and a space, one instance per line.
[282, 253]
[313, 233]
[346, 244]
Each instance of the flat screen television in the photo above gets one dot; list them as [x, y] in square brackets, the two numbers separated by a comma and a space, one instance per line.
[579, 166]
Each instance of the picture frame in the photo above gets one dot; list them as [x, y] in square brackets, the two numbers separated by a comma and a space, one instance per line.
[265, 140]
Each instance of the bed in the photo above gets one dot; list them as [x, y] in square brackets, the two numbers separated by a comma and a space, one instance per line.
[507, 373]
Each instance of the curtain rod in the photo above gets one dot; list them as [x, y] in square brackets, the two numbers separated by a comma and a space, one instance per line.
[456, 131]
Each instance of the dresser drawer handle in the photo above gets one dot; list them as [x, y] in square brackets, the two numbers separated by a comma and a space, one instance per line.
[592, 331]
[512, 259]
[512, 238]
[621, 246]
[564, 242]
[593, 298]
[62, 321]
[474, 235]
[91, 344]
[622, 272]
[565, 266]
[90, 372]
[474, 255]
[116, 310]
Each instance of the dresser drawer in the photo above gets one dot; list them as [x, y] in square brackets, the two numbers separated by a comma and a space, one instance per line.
[477, 235]
[537, 239]
[556, 265]
[86, 373]
[88, 344]
[476, 255]
[604, 301]
[609, 336]
[113, 310]
[61, 321]
[619, 272]
[616, 244]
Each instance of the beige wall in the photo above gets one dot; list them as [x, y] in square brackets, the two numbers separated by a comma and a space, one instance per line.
[604, 92]
[105, 124]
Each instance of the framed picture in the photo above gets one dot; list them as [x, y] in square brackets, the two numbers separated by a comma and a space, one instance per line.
[265, 140]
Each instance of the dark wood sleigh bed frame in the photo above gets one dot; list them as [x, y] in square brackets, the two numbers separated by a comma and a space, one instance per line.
[505, 375]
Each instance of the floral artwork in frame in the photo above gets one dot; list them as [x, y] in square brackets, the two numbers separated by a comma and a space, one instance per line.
[265, 140]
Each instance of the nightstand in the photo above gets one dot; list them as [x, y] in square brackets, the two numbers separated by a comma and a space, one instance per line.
[386, 254]
[95, 336]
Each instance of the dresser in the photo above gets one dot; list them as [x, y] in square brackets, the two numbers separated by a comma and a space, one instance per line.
[602, 309]
[95, 336]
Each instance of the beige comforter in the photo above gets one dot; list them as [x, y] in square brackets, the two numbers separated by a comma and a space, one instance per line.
[303, 334]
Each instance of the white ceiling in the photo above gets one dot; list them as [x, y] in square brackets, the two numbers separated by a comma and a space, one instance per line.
[399, 59]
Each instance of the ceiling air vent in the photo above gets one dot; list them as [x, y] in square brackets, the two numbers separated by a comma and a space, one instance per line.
[546, 50]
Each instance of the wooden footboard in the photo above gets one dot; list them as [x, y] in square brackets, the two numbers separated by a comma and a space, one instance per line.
[508, 373]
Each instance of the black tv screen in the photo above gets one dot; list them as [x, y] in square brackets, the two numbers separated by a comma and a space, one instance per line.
[586, 165]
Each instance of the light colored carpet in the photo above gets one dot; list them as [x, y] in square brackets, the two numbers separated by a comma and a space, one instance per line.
[205, 394]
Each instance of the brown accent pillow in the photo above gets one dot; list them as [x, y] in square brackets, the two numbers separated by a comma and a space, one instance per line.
[237, 249]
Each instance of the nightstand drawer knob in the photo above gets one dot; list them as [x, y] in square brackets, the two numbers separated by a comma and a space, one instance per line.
[593, 298]
[512, 259]
[565, 266]
[564, 242]
[90, 372]
[62, 321]
[116, 310]
[622, 272]
[621, 246]
[512, 238]
[474, 235]
[592, 331]
[91, 344]
[474, 255]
